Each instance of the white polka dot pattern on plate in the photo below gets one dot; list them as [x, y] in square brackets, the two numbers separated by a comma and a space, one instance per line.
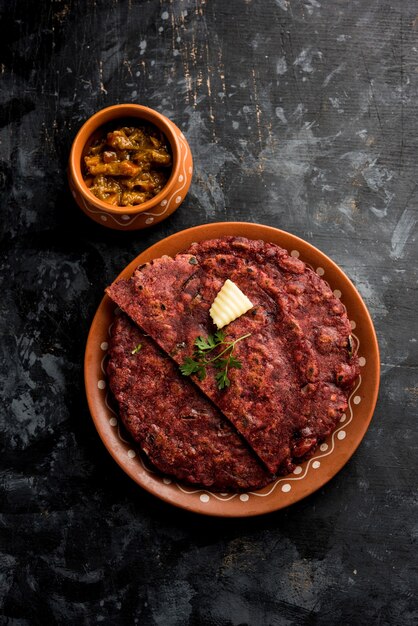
[103, 218]
[149, 220]
[181, 178]
[126, 218]
[178, 199]
[163, 202]
[300, 473]
[190, 169]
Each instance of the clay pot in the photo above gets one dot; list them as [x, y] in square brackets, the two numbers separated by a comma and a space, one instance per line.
[134, 217]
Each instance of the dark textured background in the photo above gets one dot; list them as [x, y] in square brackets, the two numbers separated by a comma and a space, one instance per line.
[301, 114]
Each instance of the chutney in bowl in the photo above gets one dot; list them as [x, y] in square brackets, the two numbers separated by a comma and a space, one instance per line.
[130, 167]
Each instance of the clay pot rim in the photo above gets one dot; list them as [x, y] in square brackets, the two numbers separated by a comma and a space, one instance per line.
[104, 116]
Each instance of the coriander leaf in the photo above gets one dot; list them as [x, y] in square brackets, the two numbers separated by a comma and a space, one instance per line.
[200, 342]
[222, 360]
[190, 366]
[137, 349]
[221, 363]
[222, 380]
[233, 362]
[203, 343]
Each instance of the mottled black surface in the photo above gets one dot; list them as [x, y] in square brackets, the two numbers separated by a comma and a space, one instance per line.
[301, 114]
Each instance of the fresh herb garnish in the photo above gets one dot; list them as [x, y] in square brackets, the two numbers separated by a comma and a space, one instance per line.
[137, 349]
[222, 361]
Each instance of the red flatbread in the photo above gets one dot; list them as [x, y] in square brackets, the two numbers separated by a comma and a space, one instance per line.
[291, 390]
[182, 432]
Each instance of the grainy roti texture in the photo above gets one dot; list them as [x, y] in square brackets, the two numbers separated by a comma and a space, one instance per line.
[297, 367]
[180, 430]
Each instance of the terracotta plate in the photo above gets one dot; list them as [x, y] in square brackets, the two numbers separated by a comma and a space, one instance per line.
[306, 478]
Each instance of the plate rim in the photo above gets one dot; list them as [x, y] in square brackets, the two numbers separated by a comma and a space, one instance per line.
[201, 231]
